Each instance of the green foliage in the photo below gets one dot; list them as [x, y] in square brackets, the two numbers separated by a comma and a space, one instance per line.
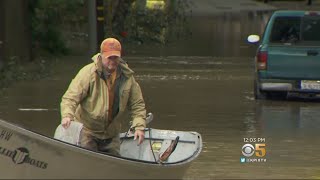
[155, 25]
[49, 18]
[179, 19]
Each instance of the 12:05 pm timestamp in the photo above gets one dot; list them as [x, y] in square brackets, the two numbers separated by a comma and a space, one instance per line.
[254, 140]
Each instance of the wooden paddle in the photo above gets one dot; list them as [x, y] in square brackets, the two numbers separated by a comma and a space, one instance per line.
[165, 155]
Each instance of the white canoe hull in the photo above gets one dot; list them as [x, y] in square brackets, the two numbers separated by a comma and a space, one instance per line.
[25, 154]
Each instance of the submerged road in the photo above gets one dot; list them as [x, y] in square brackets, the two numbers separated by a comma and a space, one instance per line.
[204, 84]
[212, 96]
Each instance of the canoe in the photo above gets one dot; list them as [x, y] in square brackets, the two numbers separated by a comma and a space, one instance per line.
[164, 154]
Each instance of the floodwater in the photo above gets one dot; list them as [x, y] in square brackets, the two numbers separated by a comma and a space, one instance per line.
[202, 84]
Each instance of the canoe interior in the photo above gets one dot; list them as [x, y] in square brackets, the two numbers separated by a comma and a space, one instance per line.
[154, 146]
[156, 143]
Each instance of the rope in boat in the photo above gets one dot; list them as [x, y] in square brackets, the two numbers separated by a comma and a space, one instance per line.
[124, 136]
[155, 160]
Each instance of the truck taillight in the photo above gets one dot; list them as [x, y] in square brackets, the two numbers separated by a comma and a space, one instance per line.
[262, 58]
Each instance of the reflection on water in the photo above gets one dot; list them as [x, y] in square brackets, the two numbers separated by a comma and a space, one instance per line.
[290, 119]
[206, 93]
[216, 35]
[292, 132]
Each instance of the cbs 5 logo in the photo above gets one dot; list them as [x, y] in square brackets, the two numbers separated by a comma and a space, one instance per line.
[259, 150]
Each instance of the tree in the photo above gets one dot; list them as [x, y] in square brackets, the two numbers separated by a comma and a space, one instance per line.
[116, 11]
[1, 33]
[142, 21]
[16, 30]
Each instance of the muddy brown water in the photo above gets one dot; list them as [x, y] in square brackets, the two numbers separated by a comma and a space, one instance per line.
[202, 84]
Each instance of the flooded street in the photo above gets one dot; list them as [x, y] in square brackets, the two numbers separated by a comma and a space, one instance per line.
[212, 96]
[202, 84]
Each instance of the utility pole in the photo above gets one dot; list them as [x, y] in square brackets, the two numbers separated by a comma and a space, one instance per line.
[16, 31]
[96, 26]
[2, 18]
[100, 21]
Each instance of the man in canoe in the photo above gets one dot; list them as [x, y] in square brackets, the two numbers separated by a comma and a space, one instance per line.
[98, 96]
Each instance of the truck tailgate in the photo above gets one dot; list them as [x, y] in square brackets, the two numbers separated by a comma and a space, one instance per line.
[293, 62]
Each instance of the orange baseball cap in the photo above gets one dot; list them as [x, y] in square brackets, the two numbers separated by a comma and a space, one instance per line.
[110, 47]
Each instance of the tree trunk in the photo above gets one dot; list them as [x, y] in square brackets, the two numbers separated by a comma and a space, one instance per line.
[309, 2]
[117, 12]
[92, 27]
[1, 33]
[171, 13]
[17, 30]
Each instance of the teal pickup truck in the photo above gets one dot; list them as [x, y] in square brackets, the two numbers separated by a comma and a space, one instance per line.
[288, 57]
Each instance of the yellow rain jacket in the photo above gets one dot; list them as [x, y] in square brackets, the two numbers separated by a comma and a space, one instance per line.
[86, 100]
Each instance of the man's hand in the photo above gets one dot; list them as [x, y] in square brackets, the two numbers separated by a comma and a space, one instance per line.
[139, 133]
[66, 122]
